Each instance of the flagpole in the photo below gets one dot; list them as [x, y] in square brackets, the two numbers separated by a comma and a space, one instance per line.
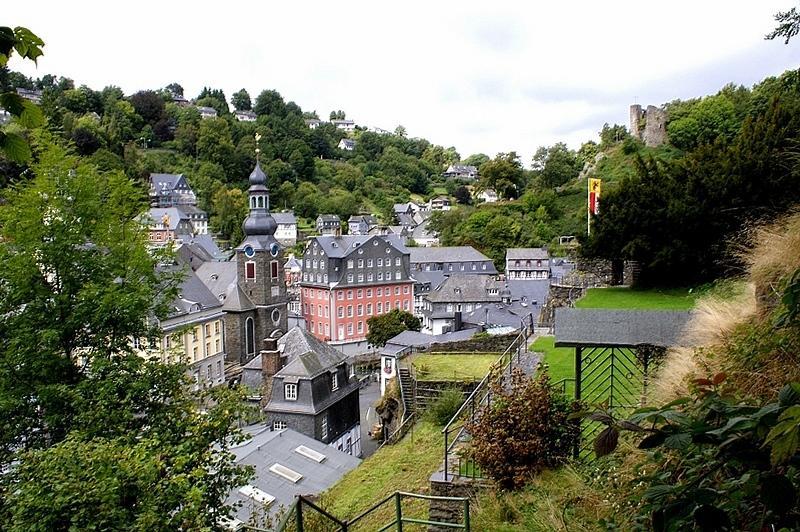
[588, 208]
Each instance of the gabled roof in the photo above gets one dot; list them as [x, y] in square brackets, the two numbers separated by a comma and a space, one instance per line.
[307, 356]
[207, 110]
[171, 214]
[527, 254]
[367, 218]
[447, 254]
[162, 182]
[341, 246]
[286, 218]
[267, 447]
[466, 288]
[328, 218]
[461, 169]
[293, 263]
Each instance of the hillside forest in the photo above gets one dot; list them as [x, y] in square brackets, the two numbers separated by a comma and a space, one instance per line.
[674, 208]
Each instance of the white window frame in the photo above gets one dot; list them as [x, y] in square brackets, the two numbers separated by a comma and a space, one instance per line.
[290, 391]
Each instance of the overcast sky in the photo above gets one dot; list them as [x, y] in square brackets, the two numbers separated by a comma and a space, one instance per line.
[486, 76]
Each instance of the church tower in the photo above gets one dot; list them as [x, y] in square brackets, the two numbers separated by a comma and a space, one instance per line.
[261, 296]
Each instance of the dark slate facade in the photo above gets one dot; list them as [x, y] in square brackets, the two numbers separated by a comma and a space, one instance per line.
[314, 392]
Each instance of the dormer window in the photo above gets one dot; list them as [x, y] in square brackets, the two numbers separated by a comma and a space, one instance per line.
[334, 382]
[290, 392]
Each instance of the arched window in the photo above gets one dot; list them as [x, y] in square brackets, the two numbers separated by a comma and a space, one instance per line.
[252, 203]
[261, 202]
[250, 335]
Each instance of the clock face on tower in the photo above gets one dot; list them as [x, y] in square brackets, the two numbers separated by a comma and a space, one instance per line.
[274, 248]
[249, 251]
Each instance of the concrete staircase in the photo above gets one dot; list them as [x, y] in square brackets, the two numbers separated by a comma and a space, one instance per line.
[409, 392]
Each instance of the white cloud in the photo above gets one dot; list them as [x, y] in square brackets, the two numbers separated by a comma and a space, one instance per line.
[483, 76]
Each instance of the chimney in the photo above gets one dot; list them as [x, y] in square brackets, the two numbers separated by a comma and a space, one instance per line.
[270, 359]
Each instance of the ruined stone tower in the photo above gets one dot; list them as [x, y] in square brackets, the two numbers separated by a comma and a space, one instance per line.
[648, 126]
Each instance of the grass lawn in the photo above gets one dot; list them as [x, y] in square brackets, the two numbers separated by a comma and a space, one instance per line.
[620, 297]
[441, 367]
[405, 466]
[560, 360]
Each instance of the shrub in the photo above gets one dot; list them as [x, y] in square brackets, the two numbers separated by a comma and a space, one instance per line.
[445, 406]
[720, 463]
[526, 429]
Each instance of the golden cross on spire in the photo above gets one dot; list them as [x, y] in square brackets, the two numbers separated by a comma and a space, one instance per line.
[258, 150]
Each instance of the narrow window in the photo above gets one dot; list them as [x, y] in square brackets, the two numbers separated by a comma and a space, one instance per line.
[250, 335]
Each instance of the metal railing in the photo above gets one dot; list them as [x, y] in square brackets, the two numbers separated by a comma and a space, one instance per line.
[481, 396]
[302, 509]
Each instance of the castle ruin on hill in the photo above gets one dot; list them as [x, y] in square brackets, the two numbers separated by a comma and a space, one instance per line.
[649, 126]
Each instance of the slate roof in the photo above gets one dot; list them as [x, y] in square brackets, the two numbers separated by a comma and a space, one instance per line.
[307, 356]
[286, 218]
[219, 277]
[405, 219]
[268, 447]
[465, 288]
[346, 244]
[175, 216]
[328, 218]
[408, 339]
[207, 110]
[527, 254]
[434, 277]
[193, 295]
[193, 255]
[164, 181]
[347, 143]
[402, 207]
[293, 263]
[368, 218]
[207, 243]
[461, 169]
[422, 231]
[190, 209]
[447, 254]
[237, 300]
[620, 328]
[493, 315]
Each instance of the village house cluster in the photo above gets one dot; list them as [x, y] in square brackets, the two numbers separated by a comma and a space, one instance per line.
[290, 328]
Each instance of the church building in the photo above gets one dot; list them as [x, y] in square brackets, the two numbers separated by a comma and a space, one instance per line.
[252, 285]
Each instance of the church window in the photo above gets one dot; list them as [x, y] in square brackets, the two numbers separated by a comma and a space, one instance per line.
[250, 270]
[260, 202]
[274, 269]
[250, 335]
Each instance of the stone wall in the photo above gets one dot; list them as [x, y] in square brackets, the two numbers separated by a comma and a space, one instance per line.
[636, 115]
[649, 126]
[560, 296]
[451, 511]
[655, 129]
[483, 344]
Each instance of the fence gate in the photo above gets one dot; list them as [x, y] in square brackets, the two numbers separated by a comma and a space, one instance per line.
[616, 353]
[615, 377]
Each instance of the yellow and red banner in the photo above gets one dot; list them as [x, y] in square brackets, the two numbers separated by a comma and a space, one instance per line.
[594, 196]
